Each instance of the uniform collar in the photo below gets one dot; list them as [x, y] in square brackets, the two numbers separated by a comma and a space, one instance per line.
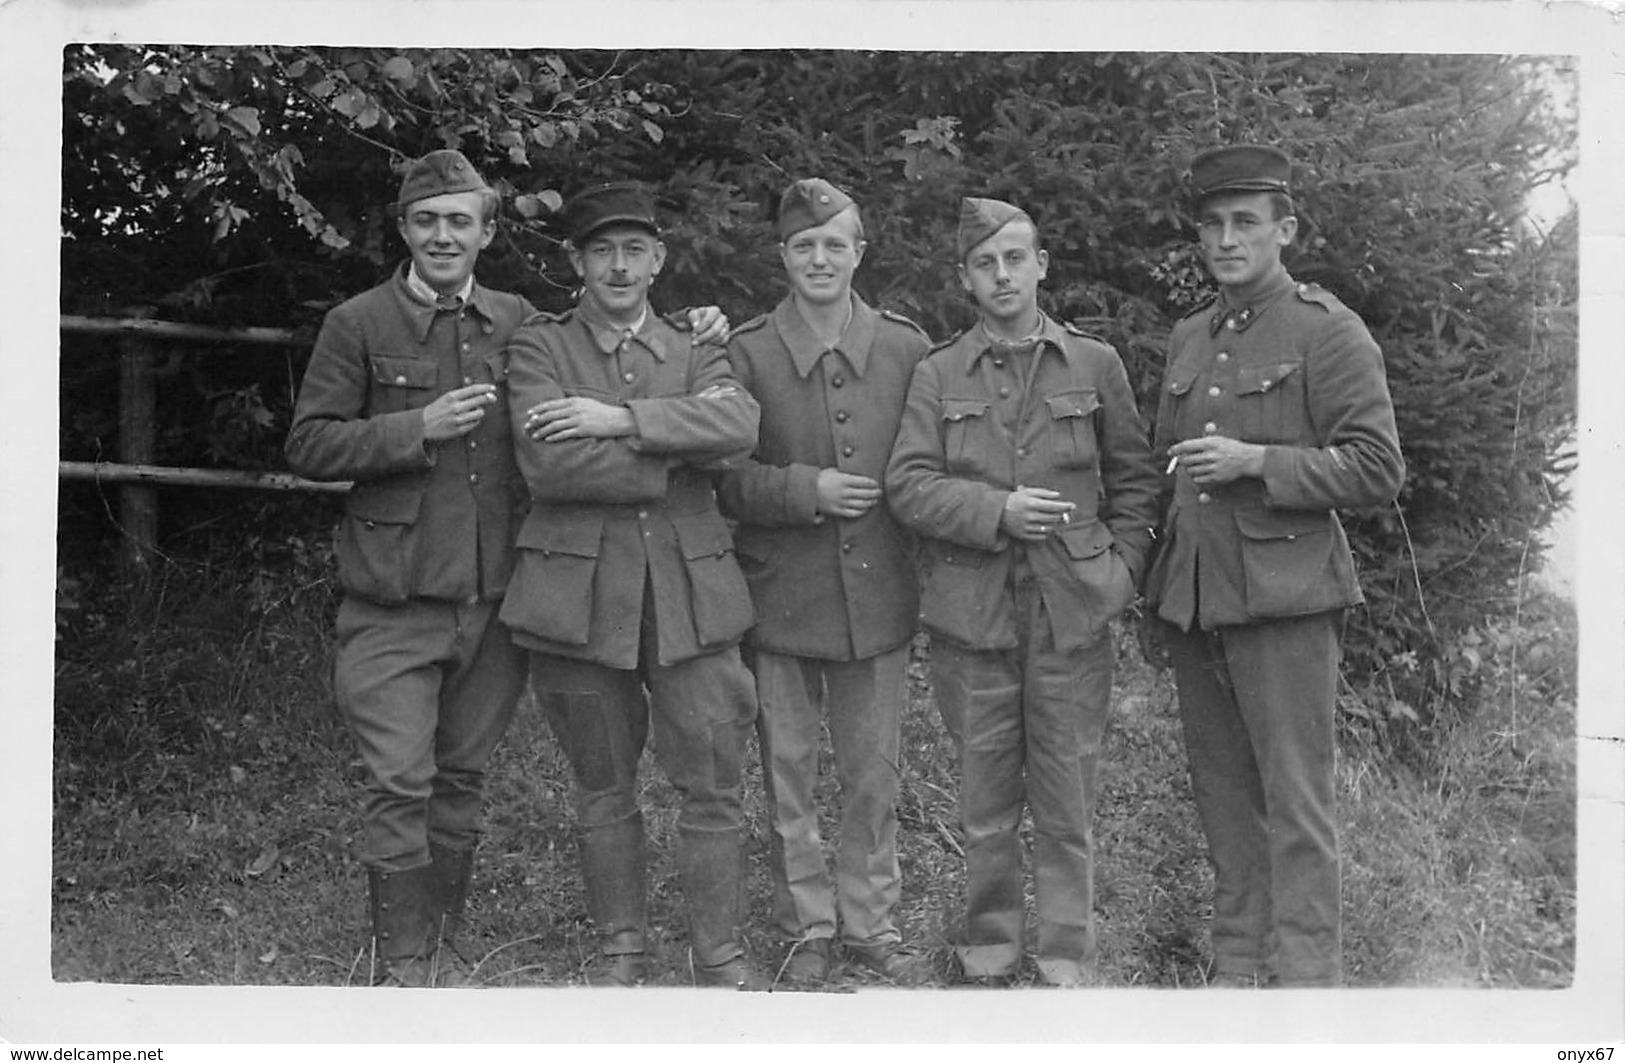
[608, 335]
[420, 303]
[805, 346]
[1240, 318]
[1048, 334]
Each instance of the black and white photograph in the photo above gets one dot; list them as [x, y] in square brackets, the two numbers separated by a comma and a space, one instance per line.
[913, 522]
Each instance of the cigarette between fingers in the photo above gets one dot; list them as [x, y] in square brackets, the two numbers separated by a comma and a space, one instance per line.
[1172, 463]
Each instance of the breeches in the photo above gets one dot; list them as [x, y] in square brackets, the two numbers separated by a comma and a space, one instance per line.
[428, 689]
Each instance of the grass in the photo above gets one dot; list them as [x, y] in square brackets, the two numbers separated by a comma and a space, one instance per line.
[206, 814]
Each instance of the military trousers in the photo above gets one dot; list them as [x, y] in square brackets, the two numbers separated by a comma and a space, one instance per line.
[1257, 704]
[1027, 724]
[862, 703]
[428, 688]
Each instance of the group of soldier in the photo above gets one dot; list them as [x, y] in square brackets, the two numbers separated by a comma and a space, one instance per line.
[661, 525]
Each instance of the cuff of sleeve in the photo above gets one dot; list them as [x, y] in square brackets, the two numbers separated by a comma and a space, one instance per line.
[648, 420]
[405, 441]
[986, 523]
[801, 495]
[1278, 476]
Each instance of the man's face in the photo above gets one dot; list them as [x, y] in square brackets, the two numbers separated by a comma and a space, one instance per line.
[1003, 272]
[445, 235]
[820, 261]
[1242, 238]
[616, 265]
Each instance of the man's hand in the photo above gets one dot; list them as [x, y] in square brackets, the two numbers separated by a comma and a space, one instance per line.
[1148, 628]
[845, 494]
[457, 413]
[1214, 460]
[1031, 513]
[707, 324]
[577, 417]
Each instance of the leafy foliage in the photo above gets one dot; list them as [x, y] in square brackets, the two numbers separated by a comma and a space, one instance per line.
[251, 185]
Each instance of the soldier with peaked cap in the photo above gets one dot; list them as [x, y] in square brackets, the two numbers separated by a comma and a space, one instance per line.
[1274, 413]
[404, 396]
[831, 575]
[1024, 468]
[626, 582]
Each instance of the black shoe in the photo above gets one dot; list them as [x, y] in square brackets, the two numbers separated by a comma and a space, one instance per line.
[735, 974]
[622, 970]
[890, 960]
[808, 963]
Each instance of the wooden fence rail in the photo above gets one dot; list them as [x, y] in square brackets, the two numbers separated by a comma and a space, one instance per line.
[137, 477]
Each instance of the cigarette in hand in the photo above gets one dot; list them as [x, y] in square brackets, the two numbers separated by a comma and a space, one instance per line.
[1172, 462]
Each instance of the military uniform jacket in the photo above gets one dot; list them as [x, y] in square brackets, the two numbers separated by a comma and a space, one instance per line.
[609, 516]
[823, 586]
[971, 433]
[1298, 372]
[424, 519]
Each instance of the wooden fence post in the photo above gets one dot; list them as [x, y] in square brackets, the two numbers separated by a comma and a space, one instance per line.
[138, 503]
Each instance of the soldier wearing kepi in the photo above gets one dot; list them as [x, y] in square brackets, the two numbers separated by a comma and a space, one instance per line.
[1274, 412]
[626, 580]
[403, 395]
[832, 578]
[1023, 466]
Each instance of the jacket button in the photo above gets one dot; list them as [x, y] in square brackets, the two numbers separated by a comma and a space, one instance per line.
[846, 548]
[473, 477]
[847, 450]
[1004, 393]
[998, 363]
[1209, 428]
[1021, 452]
[400, 381]
[1215, 390]
[629, 377]
[1222, 356]
[837, 380]
[840, 416]
[371, 525]
[468, 380]
[1204, 498]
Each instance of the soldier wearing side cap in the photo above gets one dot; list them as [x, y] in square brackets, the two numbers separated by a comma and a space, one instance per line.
[1023, 466]
[626, 582]
[831, 575]
[404, 396]
[1274, 413]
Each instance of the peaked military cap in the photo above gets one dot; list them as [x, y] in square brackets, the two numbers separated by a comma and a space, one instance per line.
[809, 202]
[625, 202]
[981, 218]
[438, 173]
[1240, 168]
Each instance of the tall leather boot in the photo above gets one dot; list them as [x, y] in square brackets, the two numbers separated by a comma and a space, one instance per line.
[711, 864]
[453, 870]
[614, 872]
[402, 927]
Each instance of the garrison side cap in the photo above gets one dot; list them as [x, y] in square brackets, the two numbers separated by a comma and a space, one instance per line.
[438, 173]
[807, 203]
[1240, 168]
[619, 202]
[981, 218]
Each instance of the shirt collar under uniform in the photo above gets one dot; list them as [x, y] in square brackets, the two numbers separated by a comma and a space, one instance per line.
[806, 348]
[608, 335]
[421, 302]
[1048, 334]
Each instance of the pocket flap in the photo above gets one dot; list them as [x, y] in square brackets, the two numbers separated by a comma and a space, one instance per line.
[959, 409]
[498, 365]
[387, 505]
[1181, 377]
[1257, 379]
[1282, 523]
[1073, 403]
[702, 537]
[399, 372]
[575, 534]
[1085, 541]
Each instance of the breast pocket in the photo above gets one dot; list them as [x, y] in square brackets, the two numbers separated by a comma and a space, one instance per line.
[1072, 428]
[1269, 402]
[402, 383]
[967, 436]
